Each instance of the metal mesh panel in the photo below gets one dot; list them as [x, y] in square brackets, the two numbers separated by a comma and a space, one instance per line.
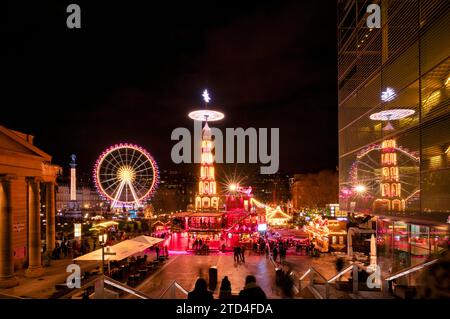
[407, 61]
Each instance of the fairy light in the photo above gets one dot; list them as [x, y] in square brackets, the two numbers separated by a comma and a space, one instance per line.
[388, 95]
[394, 114]
[360, 189]
[125, 176]
[206, 96]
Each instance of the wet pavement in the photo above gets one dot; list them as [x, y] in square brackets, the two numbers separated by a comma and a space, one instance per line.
[44, 286]
[186, 268]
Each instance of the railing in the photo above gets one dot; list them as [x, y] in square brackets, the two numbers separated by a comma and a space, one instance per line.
[404, 272]
[354, 268]
[313, 273]
[106, 280]
[6, 296]
[121, 286]
[68, 293]
[173, 290]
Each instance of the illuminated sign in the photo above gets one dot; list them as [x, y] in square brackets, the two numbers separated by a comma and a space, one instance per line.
[388, 95]
[77, 230]
[262, 227]
[206, 97]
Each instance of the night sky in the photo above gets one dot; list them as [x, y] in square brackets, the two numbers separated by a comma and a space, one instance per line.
[135, 70]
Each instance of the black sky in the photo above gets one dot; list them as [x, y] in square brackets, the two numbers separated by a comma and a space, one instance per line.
[135, 69]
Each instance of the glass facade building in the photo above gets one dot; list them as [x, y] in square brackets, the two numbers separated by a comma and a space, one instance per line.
[394, 122]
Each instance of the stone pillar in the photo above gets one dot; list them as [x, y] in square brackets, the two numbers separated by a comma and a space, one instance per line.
[50, 216]
[34, 230]
[7, 278]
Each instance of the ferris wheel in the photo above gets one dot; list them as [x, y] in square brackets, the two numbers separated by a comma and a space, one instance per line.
[126, 175]
[367, 171]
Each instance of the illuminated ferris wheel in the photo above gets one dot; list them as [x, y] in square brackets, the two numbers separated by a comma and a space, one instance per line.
[368, 173]
[126, 175]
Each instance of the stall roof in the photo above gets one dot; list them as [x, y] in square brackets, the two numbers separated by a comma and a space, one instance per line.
[181, 214]
[123, 249]
[295, 233]
[105, 224]
[279, 215]
[206, 214]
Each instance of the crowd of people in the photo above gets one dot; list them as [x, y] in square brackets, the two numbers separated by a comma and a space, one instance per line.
[200, 246]
[251, 291]
[279, 248]
[239, 253]
[69, 248]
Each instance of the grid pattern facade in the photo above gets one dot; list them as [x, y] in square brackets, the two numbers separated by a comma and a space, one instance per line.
[394, 95]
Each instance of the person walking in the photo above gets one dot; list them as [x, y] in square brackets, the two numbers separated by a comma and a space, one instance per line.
[157, 252]
[282, 254]
[236, 256]
[275, 253]
[195, 245]
[64, 249]
[243, 253]
[239, 253]
[251, 291]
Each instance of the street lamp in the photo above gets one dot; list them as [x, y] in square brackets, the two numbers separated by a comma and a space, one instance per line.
[360, 189]
[232, 187]
[102, 238]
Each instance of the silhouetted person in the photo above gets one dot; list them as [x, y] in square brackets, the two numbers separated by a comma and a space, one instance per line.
[64, 249]
[225, 288]
[200, 292]
[195, 245]
[236, 255]
[340, 262]
[251, 291]
[243, 253]
[275, 253]
[282, 254]
[157, 252]
[238, 251]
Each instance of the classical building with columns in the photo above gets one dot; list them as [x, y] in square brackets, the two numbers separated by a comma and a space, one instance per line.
[26, 175]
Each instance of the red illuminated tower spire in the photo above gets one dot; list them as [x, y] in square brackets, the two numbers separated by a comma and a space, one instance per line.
[207, 198]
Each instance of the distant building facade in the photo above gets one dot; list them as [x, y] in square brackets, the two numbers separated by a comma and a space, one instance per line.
[314, 190]
[27, 184]
[176, 191]
[394, 124]
[86, 198]
[273, 188]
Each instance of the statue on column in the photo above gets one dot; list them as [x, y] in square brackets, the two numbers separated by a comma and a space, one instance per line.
[73, 157]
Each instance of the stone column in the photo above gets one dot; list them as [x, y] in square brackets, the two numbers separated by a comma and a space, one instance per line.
[50, 216]
[7, 278]
[34, 230]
